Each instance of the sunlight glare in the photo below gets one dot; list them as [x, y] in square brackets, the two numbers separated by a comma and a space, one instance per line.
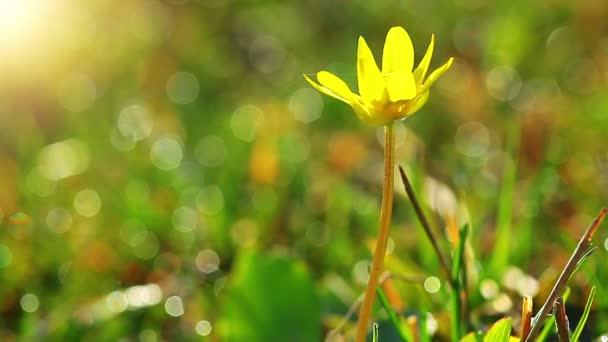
[17, 18]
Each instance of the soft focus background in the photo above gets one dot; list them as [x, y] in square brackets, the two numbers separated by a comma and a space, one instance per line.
[167, 174]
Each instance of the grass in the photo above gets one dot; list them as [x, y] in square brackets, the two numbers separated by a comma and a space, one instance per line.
[236, 193]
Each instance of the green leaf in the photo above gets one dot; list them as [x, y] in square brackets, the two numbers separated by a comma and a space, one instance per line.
[499, 331]
[472, 337]
[581, 324]
[269, 298]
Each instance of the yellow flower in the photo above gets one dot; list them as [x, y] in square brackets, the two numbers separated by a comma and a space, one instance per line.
[393, 94]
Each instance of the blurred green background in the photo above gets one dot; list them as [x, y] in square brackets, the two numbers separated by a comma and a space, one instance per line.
[167, 174]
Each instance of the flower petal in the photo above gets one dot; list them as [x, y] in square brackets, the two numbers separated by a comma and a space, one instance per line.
[331, 85]
[418, 103]
[401, 86]
[398, 53]
[423, 67]
[363, 113]
[371, 83]
[434, 76]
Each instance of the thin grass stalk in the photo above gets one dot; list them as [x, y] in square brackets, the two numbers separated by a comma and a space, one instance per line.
[383, 234]
[457, 264]
[443, 261]
[579, 253]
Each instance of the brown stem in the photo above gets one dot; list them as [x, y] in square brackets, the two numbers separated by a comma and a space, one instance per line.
[526, 317]
[383, 234]
[560, 284]
[561, 320]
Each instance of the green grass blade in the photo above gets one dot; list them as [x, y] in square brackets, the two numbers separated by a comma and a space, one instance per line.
[375, 332]
[402, 329]
[457, 265]
[581, 324]
[550, 322]
[502, 247]
[583, 258]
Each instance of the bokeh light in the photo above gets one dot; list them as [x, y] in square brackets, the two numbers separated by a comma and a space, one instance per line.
[63, 159]
[135, 122]
[162, 159]
[29, 302]
[432, 284]
[207, 261]
[166, 153]
[174, 306]
[59, 220]
[246, 122]
[87, 203]
[203, 328]
[182, 87]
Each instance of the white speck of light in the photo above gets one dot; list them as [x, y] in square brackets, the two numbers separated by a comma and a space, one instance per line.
[203, 328]
[117, 301]
[511, 277]
[174, 306]
[59, 220]
[432, 284]
[246, 121]
[606, 244]
[527, 286]
[502, 303]
[135, 122]
[488, 288]
[166, 153]
[431, 323]
[63, 159]
[137, 296]
[29, 302]
[143, 295]
[306, 105]
[360, 272]
[182, 87]
[185, 219]
[207, 261]
[155, 294]
[87, 203]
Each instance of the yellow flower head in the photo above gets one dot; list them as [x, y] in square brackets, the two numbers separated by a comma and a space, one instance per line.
[393, 94]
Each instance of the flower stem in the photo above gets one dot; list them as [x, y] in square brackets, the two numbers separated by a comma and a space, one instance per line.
[383, 234]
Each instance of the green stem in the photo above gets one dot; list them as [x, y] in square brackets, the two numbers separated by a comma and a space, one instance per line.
[383, 234]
